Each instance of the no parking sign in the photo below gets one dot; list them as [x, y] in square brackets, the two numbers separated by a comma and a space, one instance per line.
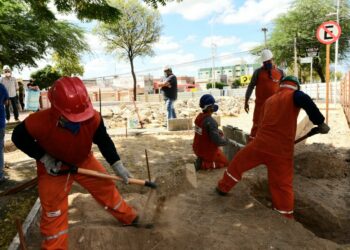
[328, 32]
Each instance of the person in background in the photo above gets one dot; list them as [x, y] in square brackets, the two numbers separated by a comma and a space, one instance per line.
[273, 145]
[21, 94]
[169, 88]
[3, 102]
[266, 81]
[208, 138]
[11, 86]
[60, 136]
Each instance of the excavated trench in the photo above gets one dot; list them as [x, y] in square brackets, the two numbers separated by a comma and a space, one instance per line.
[321, 195]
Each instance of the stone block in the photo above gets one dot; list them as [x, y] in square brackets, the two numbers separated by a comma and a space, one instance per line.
[179, 124]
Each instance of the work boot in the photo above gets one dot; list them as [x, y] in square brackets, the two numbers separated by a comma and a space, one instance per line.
[219, 192]
[198, 164]
[136, 223]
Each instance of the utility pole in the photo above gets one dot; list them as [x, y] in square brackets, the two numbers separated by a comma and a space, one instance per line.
[336, 47]
[295, 58]
[213, 53]
[265, 30]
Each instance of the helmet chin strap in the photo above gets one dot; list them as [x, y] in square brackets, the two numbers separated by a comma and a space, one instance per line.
[289, 86]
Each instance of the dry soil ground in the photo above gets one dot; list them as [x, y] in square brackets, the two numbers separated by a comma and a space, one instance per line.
[187, 214]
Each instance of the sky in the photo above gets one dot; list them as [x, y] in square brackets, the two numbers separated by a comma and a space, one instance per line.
[189, 30]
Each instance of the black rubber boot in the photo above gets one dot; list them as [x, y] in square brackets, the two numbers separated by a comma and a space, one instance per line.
[219, 192]
[198, 164]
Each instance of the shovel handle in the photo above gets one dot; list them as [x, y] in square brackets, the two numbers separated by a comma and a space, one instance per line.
[117, 178]
[313, 131]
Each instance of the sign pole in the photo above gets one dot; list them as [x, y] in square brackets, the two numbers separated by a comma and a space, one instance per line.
[327, 79]
[311, 69]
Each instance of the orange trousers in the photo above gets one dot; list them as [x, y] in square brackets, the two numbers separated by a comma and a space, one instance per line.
[53, 193]
[220, 161]
[280, 176]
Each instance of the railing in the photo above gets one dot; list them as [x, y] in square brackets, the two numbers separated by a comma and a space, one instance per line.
[345, 96]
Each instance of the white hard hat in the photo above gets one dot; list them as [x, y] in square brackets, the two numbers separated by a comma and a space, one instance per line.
[266, 55]
[167, 67]
[6, 67]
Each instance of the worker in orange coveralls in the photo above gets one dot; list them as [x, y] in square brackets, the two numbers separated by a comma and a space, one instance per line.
[63, 134]
[208, 137]
[274, 144]
[266, 80]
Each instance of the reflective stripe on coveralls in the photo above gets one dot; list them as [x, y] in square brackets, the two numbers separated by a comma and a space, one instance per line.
[51, 237]
[284, 212]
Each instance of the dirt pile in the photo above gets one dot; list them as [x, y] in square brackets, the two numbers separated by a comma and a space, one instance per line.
[154, 114]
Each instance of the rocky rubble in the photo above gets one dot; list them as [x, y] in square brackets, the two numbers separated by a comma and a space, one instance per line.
[154, 114]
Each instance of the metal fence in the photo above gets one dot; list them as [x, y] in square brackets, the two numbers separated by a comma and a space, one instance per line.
[345, 96]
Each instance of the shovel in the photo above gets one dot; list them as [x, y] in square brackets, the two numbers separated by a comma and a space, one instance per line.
[313, 131]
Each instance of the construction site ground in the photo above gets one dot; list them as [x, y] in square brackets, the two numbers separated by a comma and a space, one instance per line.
[188, 214]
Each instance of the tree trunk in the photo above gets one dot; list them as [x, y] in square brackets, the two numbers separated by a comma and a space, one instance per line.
[133, 75]
[319, 70]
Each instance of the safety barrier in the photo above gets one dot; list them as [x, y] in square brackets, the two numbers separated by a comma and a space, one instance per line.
[345, 96]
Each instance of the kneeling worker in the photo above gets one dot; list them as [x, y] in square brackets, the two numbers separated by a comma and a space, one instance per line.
[208, 138]
[274, 144]
[65, 132]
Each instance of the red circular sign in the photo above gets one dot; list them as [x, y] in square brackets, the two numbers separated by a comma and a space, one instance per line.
[328, 32]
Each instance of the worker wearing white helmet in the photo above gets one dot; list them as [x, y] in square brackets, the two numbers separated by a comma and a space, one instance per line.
[266, 81]
[11, 86]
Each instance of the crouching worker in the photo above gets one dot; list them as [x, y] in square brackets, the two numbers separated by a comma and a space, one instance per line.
[65, 132]
[208, 138]
[273, 145]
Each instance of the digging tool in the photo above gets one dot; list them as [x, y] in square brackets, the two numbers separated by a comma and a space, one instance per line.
[22, 242]
[313, 131]
[114, 177]
[20, 187]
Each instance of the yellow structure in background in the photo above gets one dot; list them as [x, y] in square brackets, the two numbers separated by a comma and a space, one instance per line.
[246, 79]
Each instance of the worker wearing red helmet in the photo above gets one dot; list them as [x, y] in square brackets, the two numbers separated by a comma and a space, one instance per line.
[265, 80]
[208, 138]
[274, 144]
[63, 134]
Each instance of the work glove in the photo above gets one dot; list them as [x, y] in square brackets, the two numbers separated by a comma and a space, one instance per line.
[52, 166]
[120, 170]
[323, 128]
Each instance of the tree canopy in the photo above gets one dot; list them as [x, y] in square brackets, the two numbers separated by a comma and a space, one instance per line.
[24, 38]
[68, 65]
[301, 22]
[133, 34]
[46, 76]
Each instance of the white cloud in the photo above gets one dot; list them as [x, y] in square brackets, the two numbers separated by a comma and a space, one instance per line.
[172, 58]
[195, 9]
[262, 11]
[97, 46]
[166, 43]
[246, 46]
[104, 66]
[219, 41]
[191, 38]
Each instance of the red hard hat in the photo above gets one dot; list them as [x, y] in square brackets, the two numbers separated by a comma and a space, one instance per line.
[69, 97]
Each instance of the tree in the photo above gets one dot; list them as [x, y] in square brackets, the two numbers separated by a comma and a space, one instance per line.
[68, 65]
[133, 35]
[86, 10]
[24, 38]
[46, 76]
[301, 23]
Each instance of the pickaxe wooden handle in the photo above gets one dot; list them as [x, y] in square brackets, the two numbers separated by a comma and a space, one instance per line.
[117, 178]
[313, 131]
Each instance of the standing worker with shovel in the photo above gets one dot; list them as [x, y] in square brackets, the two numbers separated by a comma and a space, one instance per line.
[65, 132]
[274, 144]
